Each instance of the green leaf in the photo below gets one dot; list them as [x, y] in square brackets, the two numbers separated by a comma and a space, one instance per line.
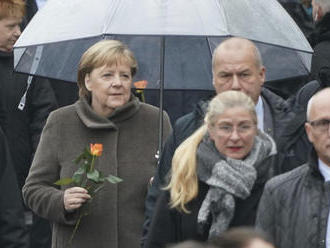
[77, 176]
[101, 177]
[64, 181]
[85, 155]
[94, 175]
[98, 189]
[113, 179]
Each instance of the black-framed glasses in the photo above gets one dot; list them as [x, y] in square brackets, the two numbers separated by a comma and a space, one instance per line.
[320, 125]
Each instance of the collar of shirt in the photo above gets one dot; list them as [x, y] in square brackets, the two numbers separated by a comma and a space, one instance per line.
[325, 170]
[260, 114]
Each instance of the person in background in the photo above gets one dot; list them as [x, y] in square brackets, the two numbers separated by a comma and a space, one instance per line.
[26, 101]
[217, 175]
[236, 65]
[320, 37]
[300, 11]
[294, 208]
[106, 113]
[12, 221]
[243, 237]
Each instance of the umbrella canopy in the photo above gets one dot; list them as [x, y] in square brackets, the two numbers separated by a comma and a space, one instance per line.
[172, 40]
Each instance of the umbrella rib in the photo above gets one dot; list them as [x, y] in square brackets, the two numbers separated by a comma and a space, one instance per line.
[224, 15]
[209, 46]
[115, 7]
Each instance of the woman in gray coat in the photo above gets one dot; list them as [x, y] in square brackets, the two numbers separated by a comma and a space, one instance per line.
[106, 113]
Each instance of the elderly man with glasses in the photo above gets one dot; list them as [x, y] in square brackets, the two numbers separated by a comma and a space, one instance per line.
[294, 208]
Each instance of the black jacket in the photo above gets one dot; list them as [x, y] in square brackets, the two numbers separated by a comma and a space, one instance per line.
[171, 226]
[12, 226]
[23, 127]
[294, 207]
[320, 41]
[291, 148]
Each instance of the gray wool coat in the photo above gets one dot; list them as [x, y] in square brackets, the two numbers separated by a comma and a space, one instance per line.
[130, 140]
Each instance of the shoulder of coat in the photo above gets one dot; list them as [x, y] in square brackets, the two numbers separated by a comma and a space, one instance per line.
[152, 110]
[62, 112]
[283, 180]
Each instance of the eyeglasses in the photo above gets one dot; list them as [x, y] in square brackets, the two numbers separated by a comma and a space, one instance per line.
[320, 125]
[227, 130]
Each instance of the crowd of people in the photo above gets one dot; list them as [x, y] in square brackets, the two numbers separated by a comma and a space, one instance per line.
[246, 168]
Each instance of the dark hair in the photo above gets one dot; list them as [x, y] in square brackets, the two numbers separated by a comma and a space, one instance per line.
[239, 237]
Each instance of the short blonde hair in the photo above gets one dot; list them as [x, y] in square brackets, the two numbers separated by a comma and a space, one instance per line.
[12, 8]
[183, 184]
[106, 52]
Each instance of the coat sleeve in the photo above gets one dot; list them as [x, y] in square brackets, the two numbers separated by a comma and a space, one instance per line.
[12, 221]
[266, 213]
[41, 101]
[158, 182]
[163, 227]
[3, 112]
[39, 192]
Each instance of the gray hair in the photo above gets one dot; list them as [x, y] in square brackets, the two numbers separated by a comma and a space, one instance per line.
[309, 106]
[257, 56]
[311, 102]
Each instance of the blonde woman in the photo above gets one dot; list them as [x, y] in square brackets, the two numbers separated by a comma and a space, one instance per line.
[217, 176]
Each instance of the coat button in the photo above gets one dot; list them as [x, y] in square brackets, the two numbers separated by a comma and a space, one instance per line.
[322, 242]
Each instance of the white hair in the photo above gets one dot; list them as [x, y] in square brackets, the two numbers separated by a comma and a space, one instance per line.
[324, 4]
[309, 107]
[311, 101]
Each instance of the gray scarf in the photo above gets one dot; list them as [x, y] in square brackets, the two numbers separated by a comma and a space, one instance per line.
[227, 178]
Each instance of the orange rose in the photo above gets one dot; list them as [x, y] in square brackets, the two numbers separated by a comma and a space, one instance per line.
[96, 149]
[141, 84]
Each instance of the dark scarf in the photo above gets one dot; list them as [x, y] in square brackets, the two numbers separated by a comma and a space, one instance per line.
[227, 178]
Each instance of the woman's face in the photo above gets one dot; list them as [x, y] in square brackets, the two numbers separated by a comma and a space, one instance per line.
[234, 132]
[110, 87]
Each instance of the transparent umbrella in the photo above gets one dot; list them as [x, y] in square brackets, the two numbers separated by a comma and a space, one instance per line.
[172, 40]
[188, 30]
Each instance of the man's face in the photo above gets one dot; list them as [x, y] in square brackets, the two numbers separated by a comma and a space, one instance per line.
[237, 70]
[318, 132]
[9, 33]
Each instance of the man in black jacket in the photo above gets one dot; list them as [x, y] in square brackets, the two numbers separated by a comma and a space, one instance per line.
[237, 65]
[294, 208]
[26, 101]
